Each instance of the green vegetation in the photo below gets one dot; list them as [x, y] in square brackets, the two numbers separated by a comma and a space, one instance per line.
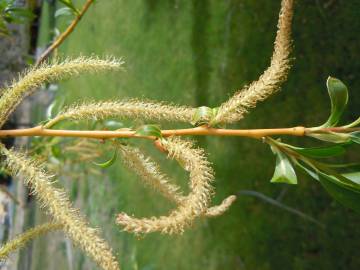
[196, 53]
[12, 14]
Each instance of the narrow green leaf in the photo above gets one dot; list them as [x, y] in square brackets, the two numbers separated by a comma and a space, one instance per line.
[350, 179]
[353, 166]
[69, 4]
[320, 152]
[308, 171]
[113, 125]
[55, 107]
[345, 194]
[202, 116]
[353, 124]
[338, 93]
[108, 163]
[353, 176]
[355, 137]
[284, 171]
[331, 137]
[65, 11]
[149, 130]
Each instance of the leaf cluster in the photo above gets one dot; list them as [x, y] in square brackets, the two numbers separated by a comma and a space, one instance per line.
[341, 181]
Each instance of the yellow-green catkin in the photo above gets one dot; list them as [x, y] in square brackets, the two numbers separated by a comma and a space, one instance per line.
[45, 73]
[134, 109]
[149, 173]
[57, 204]
[270, 81]
[195, 203]
[22, 239]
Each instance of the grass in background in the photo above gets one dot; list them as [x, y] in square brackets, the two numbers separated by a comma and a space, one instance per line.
[197, 53]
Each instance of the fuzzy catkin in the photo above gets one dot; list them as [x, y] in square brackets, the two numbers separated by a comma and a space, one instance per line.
[270, 81]
[218, 210]
[194, 205]
[55, 201]
[35, 77]
[22, 239]
[149, 173]
[126, 109]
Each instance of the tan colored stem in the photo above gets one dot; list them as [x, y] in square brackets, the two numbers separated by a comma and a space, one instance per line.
[197, 131]
[65, 34]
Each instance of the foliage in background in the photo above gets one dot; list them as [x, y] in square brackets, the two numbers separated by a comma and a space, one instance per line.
[324, 152]
[12, 14]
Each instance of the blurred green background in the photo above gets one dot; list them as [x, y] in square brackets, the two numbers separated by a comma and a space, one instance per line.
[198, 52]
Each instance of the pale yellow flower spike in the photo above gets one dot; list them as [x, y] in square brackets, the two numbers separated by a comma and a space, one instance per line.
[219, 210]
[270, 81]
[149, 173]
[194, 205]
[59, 207]
[22, 239]
[35, 77]
[132, 108]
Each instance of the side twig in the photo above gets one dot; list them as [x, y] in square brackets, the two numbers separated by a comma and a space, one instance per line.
[65, 34]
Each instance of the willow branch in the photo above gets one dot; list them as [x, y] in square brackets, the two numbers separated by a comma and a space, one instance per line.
[65, 34]
[105, 134]
[197, 131]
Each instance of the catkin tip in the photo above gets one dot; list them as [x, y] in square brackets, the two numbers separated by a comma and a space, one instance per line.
[270, 81]
[219, 210]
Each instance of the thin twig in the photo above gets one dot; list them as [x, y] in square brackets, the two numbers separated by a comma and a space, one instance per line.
[65, 34]
[197, 131]
[281, 205]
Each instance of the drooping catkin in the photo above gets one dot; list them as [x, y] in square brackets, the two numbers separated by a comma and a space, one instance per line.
[270, 81]
[194, 205]
[22, 239]
[55, 201]
[218, 210]
[149, 173]
[35, 77]
[132, 108]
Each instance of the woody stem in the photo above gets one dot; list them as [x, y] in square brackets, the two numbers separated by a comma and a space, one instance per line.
[197, 131]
